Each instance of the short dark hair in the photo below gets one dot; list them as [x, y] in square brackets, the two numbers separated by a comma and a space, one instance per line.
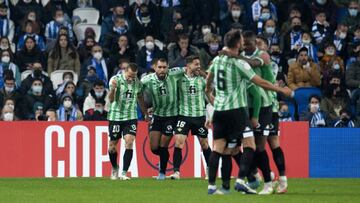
[315, 96]
[133, 67]
[249, 34]
[99, 83]
[161, 60]
[191, 58]
[232, 38]
[302, 49]
[182, 36]
[67, 73]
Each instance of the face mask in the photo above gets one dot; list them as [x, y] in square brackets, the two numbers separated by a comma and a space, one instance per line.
[60, 20]
[9, 89]
[11, 106]
[214, 47]
[265, 16]
[5, 59]
[98, 55]
[120, 30]
[32, 18]
[206, 31]
[100, 110]
[27, 1]
[149, 45]
[342, 35]
[67, 104]
[336, 67]
[276, 53]
[321, 2]
[345, 119]
[4, 47]
[297, 28]
[236, 13]
[308, 41]
[8, 117]
[3, 16]
[99, 94]
[270, 30]
[264, 3]
[37, 89]
[330, 52]
[316, 106]
[353, 12]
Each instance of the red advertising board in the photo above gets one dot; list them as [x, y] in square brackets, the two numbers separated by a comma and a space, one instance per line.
[79, 149]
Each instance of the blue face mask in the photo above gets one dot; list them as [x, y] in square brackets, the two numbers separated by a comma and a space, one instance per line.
[120, 30]
[284, 114]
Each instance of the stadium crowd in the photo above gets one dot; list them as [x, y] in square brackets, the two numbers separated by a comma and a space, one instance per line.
[320, 49]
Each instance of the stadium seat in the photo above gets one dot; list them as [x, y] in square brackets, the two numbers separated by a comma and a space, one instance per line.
[302, 95]
[79, 31]
[44, 2]
[87, 15]
[291, 109]
[56, 77]
[25, 74]
[158, 43]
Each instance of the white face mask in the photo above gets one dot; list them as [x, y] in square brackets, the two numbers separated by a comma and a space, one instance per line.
[60, 20]
[308, 41]
[67, 104]
[265, 16]
[99, 110]
[330, 52]
[37, 89]
[316, 106]
[270, 30]
[9, 89]
[236, 13]
[336, 66]
[8, 117]
[342, 35]
[206, 31]
[27, 1]
[99, 94]
[11, 106]
[321, 2]
[32, 18]
[149, 45]
[98, 55]
[5, 59]
[353, 12]
[4, 47]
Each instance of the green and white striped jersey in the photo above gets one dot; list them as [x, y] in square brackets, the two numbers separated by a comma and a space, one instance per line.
[125, 102]
[230, 77]
[192, 96]
[164, 93]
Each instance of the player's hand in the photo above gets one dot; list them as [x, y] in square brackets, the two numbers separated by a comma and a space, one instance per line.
[254, 122]
[287, 91]
[208, 124]
[113, 84]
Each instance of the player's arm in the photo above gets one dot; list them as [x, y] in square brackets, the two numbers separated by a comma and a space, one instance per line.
[113, 86]
[269, 86]
[209, 81]
[210, 97]
[256, 104]
[263, 59]
[141, 102]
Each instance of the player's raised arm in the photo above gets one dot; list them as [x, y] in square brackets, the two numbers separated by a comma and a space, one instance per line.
[113, 86]
[267, 85]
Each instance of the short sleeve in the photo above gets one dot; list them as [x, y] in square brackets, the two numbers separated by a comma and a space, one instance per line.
[110, 81]
[177, 71]
[245, 69]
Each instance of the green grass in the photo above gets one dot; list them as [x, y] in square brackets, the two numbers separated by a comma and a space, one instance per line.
[183, 191]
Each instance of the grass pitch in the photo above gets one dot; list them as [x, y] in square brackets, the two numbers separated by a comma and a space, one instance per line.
[168, 191]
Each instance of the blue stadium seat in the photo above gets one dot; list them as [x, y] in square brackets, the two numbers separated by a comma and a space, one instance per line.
[302, 95]
[291, 109]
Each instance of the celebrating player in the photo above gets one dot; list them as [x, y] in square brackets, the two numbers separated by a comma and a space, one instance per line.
[125, 92]
[191, 112]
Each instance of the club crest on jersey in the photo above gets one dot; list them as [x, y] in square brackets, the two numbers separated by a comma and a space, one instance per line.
[169, 127]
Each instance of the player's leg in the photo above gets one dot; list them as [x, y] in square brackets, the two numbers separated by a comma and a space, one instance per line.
[278, 154]
[155, 135]
[115, 135]
[130, 133]
[201, 131]
[181, 132]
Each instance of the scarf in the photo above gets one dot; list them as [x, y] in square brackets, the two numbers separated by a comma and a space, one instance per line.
[63, 115]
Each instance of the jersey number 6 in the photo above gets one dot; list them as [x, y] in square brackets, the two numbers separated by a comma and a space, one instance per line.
[221, 80]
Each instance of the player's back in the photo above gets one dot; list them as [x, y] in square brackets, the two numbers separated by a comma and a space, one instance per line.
[230, 77]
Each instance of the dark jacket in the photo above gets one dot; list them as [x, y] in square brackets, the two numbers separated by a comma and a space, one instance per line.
[91, 115]
[24, 58]
[27, 106]
[174, 57]
[352, 75]
[141, 58]
[26, 84]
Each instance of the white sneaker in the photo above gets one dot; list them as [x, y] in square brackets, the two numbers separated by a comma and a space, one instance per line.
[114, 173]
[175, 175]
[123, 176]
[268, 189]
[282, 187]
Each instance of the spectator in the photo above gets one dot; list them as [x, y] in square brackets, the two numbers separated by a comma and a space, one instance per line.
[84, 49]
[279, 65]
[6, 45]
[265, 15]
[84, 3]
[37, 25]
[178, 52]
[206, 12]
[7, 114]
[270, 32]
[63, 56]
[98, 113]
[122, 65]
[236, 14]
[85, 84]
[144, 24]
[37, 74]
[303, 73]
[29, 32]
[7, 64]
[67, 110]
[147, 54]
[51, 115]
[39, 111]
[98, 92]
[97, 60]
[174, 33]
[9, 94]
[70, 89]
[7, 28]
[53, 27]
[312, 48]
[170, 13]
[66, 77]
[328, 6]
[294, 12]
[29, 54]
[353, 75]
[284, 114]
[329, 64]
[123, 50]
[291, 42]
[320, 28]
[209, 52]
[313, 114]
[108, 23]
[335, 99]
[345, 120]
[258, 5]
[53, 5]
[199, 35]
[340, 39]
[352, 18]
[111, 37]
[36, 96]
[23, 7]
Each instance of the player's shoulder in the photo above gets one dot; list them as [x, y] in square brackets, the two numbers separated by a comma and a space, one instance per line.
[147, 78]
